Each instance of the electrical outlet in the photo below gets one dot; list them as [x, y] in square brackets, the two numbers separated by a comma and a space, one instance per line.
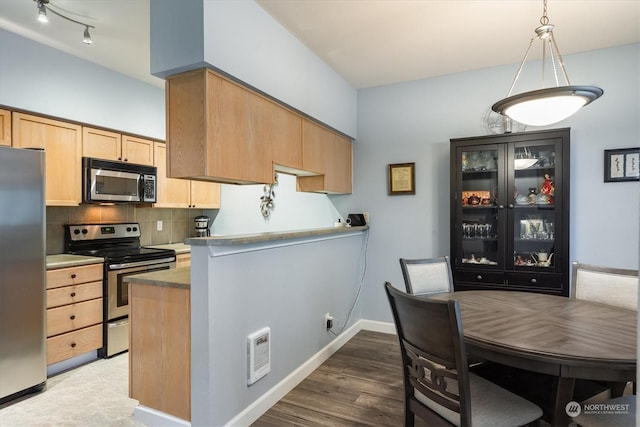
[159, 225]
[328, 321]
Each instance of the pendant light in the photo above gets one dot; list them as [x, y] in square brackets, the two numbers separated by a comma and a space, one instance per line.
[547, 105]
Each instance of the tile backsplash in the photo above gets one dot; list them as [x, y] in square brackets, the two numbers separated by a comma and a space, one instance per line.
[177, 224]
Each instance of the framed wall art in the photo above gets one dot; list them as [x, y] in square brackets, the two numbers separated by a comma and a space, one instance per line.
[402, 179]
[622, 165]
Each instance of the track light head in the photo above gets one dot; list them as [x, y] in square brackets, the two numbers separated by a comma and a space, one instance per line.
[42, 13]
[87, 37]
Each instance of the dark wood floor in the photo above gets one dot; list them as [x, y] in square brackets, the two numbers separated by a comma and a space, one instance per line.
[360, 385]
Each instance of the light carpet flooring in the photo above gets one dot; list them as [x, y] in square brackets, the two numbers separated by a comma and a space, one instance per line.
[93, 395]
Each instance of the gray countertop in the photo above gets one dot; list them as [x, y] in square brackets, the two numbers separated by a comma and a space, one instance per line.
[68, 260]
[243, 239]
[174, 278]
[180, 248]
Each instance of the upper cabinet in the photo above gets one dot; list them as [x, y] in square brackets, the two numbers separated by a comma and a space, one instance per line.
[327, 154]
[182, 193]
[219, 130]
[210, 132]
[103, 144]
[5, 127]
[62, 143]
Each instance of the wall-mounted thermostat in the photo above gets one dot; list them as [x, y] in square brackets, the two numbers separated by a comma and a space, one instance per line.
[259, 354]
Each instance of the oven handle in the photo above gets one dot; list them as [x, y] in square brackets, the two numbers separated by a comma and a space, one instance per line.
[140, 263]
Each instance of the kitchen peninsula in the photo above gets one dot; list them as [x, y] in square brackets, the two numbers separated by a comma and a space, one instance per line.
[239, 284]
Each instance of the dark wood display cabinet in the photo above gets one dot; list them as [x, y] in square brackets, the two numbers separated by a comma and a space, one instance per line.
[510, 212]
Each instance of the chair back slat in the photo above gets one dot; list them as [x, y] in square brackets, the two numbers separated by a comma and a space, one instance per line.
[428, 275]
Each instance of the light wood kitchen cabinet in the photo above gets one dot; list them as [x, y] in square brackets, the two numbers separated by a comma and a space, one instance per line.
[74, 311]
[5, 127]
[221, 131]
[62, 143]
[329, 155]
[160, 348]
[182, 193]
[103, 144]
[183, 260]
[137, 150]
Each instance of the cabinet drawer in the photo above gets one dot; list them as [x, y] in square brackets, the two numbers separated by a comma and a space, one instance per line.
[480, 277]
[73, 343]
[74, 316]
[183, 260]
[532, 280]
[73, 275]
[73, 294]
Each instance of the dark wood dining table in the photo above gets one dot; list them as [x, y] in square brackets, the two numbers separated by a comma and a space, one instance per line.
[567, 338]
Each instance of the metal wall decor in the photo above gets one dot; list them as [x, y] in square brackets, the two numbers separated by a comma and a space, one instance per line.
[267, 201]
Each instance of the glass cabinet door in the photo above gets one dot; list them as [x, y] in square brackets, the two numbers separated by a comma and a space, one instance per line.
[479, 229]
[532, 206]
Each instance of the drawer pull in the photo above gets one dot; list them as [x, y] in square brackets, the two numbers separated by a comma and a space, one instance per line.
[534, 281]
[479, 277]
[73, 276]
[73, 345]
[72, 317]
[73, 294]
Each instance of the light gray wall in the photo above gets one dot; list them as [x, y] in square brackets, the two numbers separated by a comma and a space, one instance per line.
[243, 40]
[287, 285]
[413, 122]
[41, 79]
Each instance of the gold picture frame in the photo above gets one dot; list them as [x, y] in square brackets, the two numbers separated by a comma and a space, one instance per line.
[402, 179]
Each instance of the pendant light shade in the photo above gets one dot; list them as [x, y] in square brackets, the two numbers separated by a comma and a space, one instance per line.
[547, 105]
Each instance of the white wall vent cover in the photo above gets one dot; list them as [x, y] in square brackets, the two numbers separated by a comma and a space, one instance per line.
[259, 354]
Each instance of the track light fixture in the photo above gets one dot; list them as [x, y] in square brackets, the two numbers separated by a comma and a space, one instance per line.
[547, 105]
[44, 6]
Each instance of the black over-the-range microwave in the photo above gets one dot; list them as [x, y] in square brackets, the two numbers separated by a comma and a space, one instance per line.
[105, 181]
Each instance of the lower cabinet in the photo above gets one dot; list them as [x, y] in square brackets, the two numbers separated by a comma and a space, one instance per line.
[160, 348]
[183, 260]
[74, 311]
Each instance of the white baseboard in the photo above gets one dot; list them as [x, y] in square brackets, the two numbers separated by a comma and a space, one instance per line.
[151, 417]
[256, 409]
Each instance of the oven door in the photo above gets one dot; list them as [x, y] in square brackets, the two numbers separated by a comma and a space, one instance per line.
[118, 291]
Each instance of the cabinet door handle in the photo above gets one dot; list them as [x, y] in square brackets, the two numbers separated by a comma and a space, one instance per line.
[72, 317]
[126, 160]
[500, 207]
[534, 281]
[479, 277]
[510, 206]
[73, 345]
[73, 276]
[73, 294]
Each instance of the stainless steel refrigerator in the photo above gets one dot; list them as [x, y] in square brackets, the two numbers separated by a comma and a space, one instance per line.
[23, 364]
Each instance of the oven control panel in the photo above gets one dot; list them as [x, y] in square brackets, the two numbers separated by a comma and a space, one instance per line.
[103, 231]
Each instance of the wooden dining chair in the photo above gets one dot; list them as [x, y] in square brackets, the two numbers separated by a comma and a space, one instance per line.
[427, 275]
[612, 286]
[437, 384]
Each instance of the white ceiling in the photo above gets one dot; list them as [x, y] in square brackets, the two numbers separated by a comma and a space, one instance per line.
[368, 42]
